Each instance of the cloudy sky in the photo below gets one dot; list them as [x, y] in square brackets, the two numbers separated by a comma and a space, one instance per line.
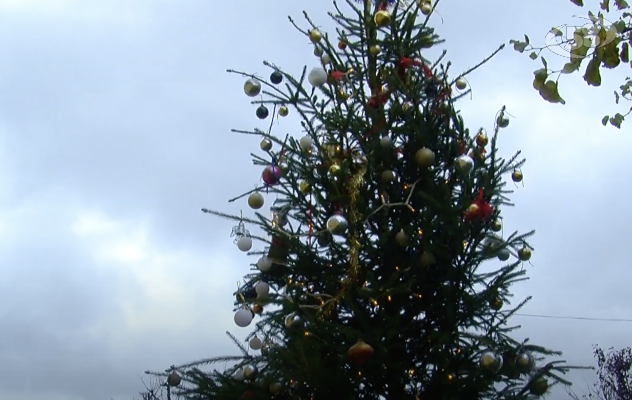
[115, 121]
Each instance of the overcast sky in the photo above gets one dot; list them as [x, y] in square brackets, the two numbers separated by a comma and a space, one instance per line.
[115, 121]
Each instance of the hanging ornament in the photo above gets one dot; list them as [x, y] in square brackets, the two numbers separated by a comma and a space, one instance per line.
[503, 254]
[271, 175]
[292, 321]
[337, 225]
[496, 304]
[539, 386]
[342, 44]
[382, 18]
[524, 254]
[306, 143]
[252, 88]
[481, 138]
[525, 362]
[262, 289]
[502, 121]
[427, 259]
[243, 317]
[304, 187]
[325, 59]
[401, 238]
[279, 216]
[244, 243]
[334, 169]
[173, 379]
[375, 50]
[386, 142]
[388, 176]
[255, 200]
[426, 9]
[479, 209]
[360, 353]
[284, 111]
[266, 144]
[239, 375]
[425, 157]
[315, 36]
[496, 225]
[317, 77]
[491, 362]
[516, 175]
[242, 237]
[264, 264]
[255, 343]
[251, 372]
[464, 164]
[276, 77]
[262, 112]
[257, 309]
[318, 51]
[276, 388]
[461, 84]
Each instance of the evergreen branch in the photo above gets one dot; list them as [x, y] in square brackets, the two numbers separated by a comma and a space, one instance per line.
[477, 66]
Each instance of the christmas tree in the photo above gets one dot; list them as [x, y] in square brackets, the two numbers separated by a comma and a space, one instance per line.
[383, 272]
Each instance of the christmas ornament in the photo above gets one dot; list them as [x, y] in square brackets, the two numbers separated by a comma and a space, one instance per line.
[239, 375]
[337, 225]
[464, 164]
[386, 142]
[292, 320]
[279, 250]
[496, 304]
[317, 77]
[243, 317]
[426, 9]
[284, 111]
[315, 36]
[255, 343]
[481, 138]
[334, 169]
[257, 309]
[250, 372]
[262, 289]
[266, 145]
[425, 157]
[325, 59]
[276, 77]
[306, 143]
[173, 379]
[342, 44]
[276, 388]
[262, 112]
[524, 254]
[360, 353]
[503, 254]
[427, 259]
[279, 216]
[271, 175]
[255, 200]
[539, 386]
[382, 18]
[252, 88]
[401, 238]
[502, 121]
[491, 362]
[264, 264]
[323, 240]
[496, 226]
[375, 50]
[304, 187]
[516, 175]
[461, 84]
[318, 51]
[244, 243]
[525, 362]
[388, 176]
[479, 209]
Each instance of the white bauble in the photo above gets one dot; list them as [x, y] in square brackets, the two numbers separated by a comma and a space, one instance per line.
[317, 77]
[306, 143]
[264, 264]
[256, 343]
[243, 317]
[262, 289]
[244, 243]
[325, 59]
[239, 375]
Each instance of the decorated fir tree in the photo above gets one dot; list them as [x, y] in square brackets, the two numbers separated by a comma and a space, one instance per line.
[383, 272]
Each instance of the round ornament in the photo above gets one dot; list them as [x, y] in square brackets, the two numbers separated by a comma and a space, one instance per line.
[491, 362]
[525, 362]
[257, 309]
[503, 254]
[292, 320]
[276, 388]
[250, 372]
[386, 142]
[375, 50]
[284, 111]
[262, 112]
[461, 84]
[388, 176]
[382, 18]
[337, 225]
[334, 169]
[271, 175]
[262, 289]
[425, 157]
[481, 138]
[342, 44]
[496, 304]
[264, 264]
[244, 243]
[255, 343]
[360, 353]
[266, 145]
[524, 254]
[502, 121]
[496, 226]
[306, 143]
[426, 9]
[173, 379]
[516, 175]
[276, 77]
[243, 317]
[252, 88]
[317, 77]
[325, 59]
[427, 259]
[239, 375]
[401, 238]
[464, 164]
[304, 187]
[539, 386]
[255, 200]
[318, 51]
[315, 36]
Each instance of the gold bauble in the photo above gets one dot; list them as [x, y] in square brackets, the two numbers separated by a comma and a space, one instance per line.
[252, 87]
[173, 379]
[425, 157]
[516, 176]
[481, 138]
[257, 309]
[496, 304]
[461, 84]
[502, 121]
[315, 36]
[496, 226]
[388, 176]
[334, 169]
[426, 9]
[375, 50]
[473, 208]
[524, 254]
[401, 238]
[276, 388]
[266, 145]
[304, 187]
[255, 200]
[490, 362]
[427, 259]
[382, 18]
[284, 111]
[342, 95]
[539, 386]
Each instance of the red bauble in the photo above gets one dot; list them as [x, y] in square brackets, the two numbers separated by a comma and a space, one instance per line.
[271, 175]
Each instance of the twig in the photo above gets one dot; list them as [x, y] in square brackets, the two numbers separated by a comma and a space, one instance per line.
[401, 204]
[502, 46]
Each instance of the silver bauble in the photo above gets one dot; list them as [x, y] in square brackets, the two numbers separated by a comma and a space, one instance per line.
[503, 254]
[464, 164]
[292, 320]
[525, 362]
[250, 372]
[337, 225]
[491, 362]
[252, 88]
